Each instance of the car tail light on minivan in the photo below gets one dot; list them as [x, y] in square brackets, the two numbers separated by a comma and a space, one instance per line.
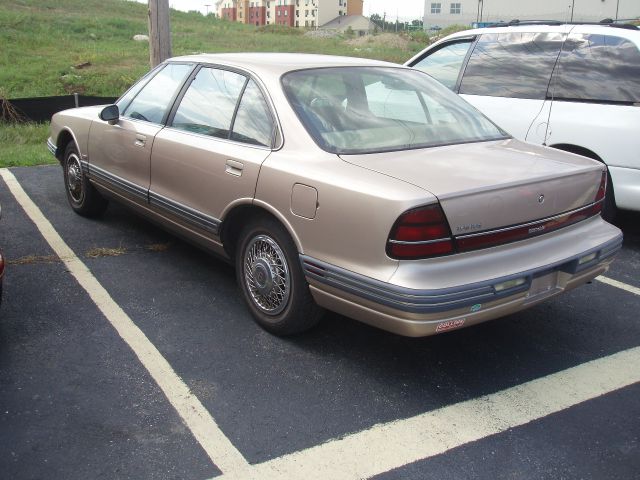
[420, 233]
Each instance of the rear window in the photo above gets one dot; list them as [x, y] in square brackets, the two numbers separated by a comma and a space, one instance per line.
[598, 68]
[376, 109]
[514, 65]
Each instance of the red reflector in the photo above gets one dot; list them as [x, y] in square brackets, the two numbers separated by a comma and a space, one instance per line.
[412, 251]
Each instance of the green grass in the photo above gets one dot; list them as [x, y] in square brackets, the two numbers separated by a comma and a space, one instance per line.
[41, 42]
[24, 145]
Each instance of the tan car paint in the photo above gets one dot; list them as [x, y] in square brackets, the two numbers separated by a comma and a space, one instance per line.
[504, 260]
[204, 173]
[359, 199]
[123, 149]
[420, 325]
[482, 186]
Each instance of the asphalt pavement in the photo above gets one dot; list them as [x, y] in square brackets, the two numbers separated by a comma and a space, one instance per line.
[79, 400]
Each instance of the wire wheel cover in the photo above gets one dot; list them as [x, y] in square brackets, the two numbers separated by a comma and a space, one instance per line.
[74, 178]
[266, 275]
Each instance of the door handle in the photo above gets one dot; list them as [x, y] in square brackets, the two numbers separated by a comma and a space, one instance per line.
[140, 140]
[234, 168]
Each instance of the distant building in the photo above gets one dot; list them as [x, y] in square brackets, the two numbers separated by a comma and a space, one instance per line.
[292, 13]
[440, 13]
[357, 24]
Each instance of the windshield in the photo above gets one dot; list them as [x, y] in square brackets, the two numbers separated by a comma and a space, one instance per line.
[377, 109]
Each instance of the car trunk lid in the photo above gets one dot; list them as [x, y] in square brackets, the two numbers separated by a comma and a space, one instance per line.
[492, 185]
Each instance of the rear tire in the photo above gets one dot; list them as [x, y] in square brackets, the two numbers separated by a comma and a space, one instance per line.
[271, 279]
[84, 199]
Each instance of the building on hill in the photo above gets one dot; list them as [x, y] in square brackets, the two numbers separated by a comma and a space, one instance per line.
[292, 13]
[440, 13]
[357, 24]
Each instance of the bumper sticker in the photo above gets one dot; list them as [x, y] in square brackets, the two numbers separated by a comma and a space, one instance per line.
[450, 325]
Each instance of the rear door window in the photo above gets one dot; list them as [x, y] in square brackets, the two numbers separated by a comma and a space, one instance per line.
[253, 123]
[209, 105]
[225, 104]
[599, 68]
[445, 63]
[515, 65]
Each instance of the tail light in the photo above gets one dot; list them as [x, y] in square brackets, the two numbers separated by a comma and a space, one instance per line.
[420, 233]
[602, 190]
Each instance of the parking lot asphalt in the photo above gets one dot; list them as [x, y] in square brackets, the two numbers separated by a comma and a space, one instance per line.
[76, 401]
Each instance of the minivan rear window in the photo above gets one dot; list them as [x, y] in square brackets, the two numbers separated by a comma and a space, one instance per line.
[598, 68]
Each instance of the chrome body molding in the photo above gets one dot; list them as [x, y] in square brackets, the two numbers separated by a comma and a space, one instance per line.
[534, 224]
[115, 181]
[424, 242]
[190, 215]
[442, 300]
[52, 148]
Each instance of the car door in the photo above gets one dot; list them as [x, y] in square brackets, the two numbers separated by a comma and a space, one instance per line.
[507, 78]
[209, 156]
[120, 154]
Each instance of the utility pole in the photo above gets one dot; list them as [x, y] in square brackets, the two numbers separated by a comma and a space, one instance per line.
[207, 5]
[159, 32]
[617, 9]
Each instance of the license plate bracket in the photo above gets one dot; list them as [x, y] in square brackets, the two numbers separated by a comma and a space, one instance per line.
[543, 286]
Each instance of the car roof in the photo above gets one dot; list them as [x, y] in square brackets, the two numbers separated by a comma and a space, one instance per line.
[541, 27]
[535, 27]
[279, 63]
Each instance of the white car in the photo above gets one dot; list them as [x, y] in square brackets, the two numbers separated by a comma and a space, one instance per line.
[575, 87]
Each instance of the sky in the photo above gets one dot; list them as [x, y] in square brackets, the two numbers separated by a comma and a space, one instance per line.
[405, 9]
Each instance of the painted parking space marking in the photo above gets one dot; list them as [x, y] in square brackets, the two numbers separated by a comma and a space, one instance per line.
[195, 416]
[620, 285]
[395, 444]
[380, 448]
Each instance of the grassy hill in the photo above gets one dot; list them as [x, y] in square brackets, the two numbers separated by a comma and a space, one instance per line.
[42, 41]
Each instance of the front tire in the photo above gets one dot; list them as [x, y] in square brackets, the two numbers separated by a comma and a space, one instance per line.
[272, 283]
[84, 199]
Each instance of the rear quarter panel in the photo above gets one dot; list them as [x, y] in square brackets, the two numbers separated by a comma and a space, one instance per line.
[356, 209]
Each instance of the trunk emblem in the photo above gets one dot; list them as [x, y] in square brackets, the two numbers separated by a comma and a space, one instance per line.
[541, 199]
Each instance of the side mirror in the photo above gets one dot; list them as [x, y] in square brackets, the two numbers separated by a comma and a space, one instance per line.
[110, 114]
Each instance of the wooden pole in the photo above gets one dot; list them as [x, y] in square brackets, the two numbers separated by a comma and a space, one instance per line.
[159, 32]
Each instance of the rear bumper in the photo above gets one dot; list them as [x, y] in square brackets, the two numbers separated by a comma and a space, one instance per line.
[421, 312]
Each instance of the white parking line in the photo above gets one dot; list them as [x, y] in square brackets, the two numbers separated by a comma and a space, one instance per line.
[373, 451]
[202, 425]
[392, 445]
[620, 285]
